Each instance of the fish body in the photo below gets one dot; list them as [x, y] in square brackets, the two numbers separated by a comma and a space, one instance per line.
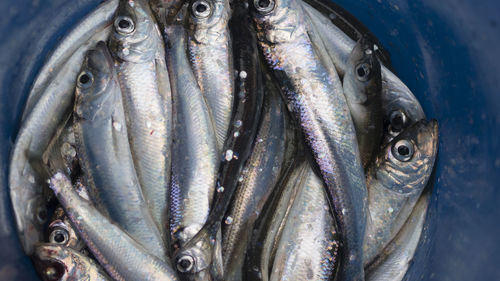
[210, 54]
[57, 262]
[395, 181]
[104, 150]
[120, 255]
[316, 101]
[363, 89]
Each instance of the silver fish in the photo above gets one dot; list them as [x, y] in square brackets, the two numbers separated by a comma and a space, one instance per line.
[363, 90]
[194, 153]
[26, 170]
[60, 154]
[137, 46]
[120, 255]
[308, 246]
[209, 48]
[395, 181]
[393, 263]
[58, 262]
[93, 23]
[316, 100]
[104, 150]
[61, 231]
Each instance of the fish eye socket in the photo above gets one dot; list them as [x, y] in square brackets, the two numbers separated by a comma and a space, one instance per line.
[185, 263]
[363, 71]
[59, 236]
[398, 121]
[201, 9]
[53, 272]
[85, 80]
[124, 25]
[264, 6]
[41, 214]
[403, 150]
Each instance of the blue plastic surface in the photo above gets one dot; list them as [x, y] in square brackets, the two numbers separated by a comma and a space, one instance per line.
[445, 51]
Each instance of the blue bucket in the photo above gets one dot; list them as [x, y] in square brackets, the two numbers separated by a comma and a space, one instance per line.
[445, 51]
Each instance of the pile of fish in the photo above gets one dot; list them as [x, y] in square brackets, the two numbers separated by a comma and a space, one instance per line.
[218, 140]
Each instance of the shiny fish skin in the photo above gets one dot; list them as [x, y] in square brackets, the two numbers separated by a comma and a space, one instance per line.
[363, 89]
[310, 93]
[104, 151]
[210, 53]
[94, 22]
[120, 255]
[147, 102]
[308, 246]
[61, 225]
[26, 168]
[394, 186]
[68, 264]
[194, 152]
[394, 261]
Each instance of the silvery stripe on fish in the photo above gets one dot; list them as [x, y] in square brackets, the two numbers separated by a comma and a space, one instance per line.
[104, 150]
[53, 106]
[194, 153]
[57, 262]
[395, 181]
[308, 246]
[316, 100]
[60, 231]
[84, 31]
[363, 89]
[393, 263]
[147, 101]
[120, 255]
[210, 53]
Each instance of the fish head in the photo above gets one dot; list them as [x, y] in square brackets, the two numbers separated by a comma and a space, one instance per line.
[134, 37]
[406, 163]
[278, 21]
[208, 19]
[195, 258]
[95, 84]
[62, 233]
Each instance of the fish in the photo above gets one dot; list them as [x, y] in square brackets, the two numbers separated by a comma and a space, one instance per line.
[61, 231]
[27, 171]
[122, 257]
[194, 153]
[104, 151]
[137, 46]
[317, 102]
[58, 262]
[210, 53]
[394, 261]
[309, 244]
[395, 181]
[363, 89]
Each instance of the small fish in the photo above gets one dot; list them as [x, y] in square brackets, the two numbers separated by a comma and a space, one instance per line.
[61, 231]
[138, 48]
[395, 181]
[316, 100]
[309, 244]
[104, 150]
[363, 90]
[58, 262]
[120, 255]
[210, 52]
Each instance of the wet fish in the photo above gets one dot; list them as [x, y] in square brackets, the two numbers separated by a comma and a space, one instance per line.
[27, 178]
[61, 231]
[194, 153]
[395, 181]
[317, 102]
[104, 150]
[58, 262]
[363, 90]
[308, 246]
[120, 255]
[210, 52]
[137, 46]
[60, 154]
[393, 263]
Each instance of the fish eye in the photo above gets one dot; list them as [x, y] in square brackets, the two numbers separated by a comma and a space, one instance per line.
[59, 236]
[264, 6]
[403, 150]
[201, 9]
[124, 25]
[398, 121]
[53, 272]
[41, 214]
[84, 80]
[363, 71]
[185, 263]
